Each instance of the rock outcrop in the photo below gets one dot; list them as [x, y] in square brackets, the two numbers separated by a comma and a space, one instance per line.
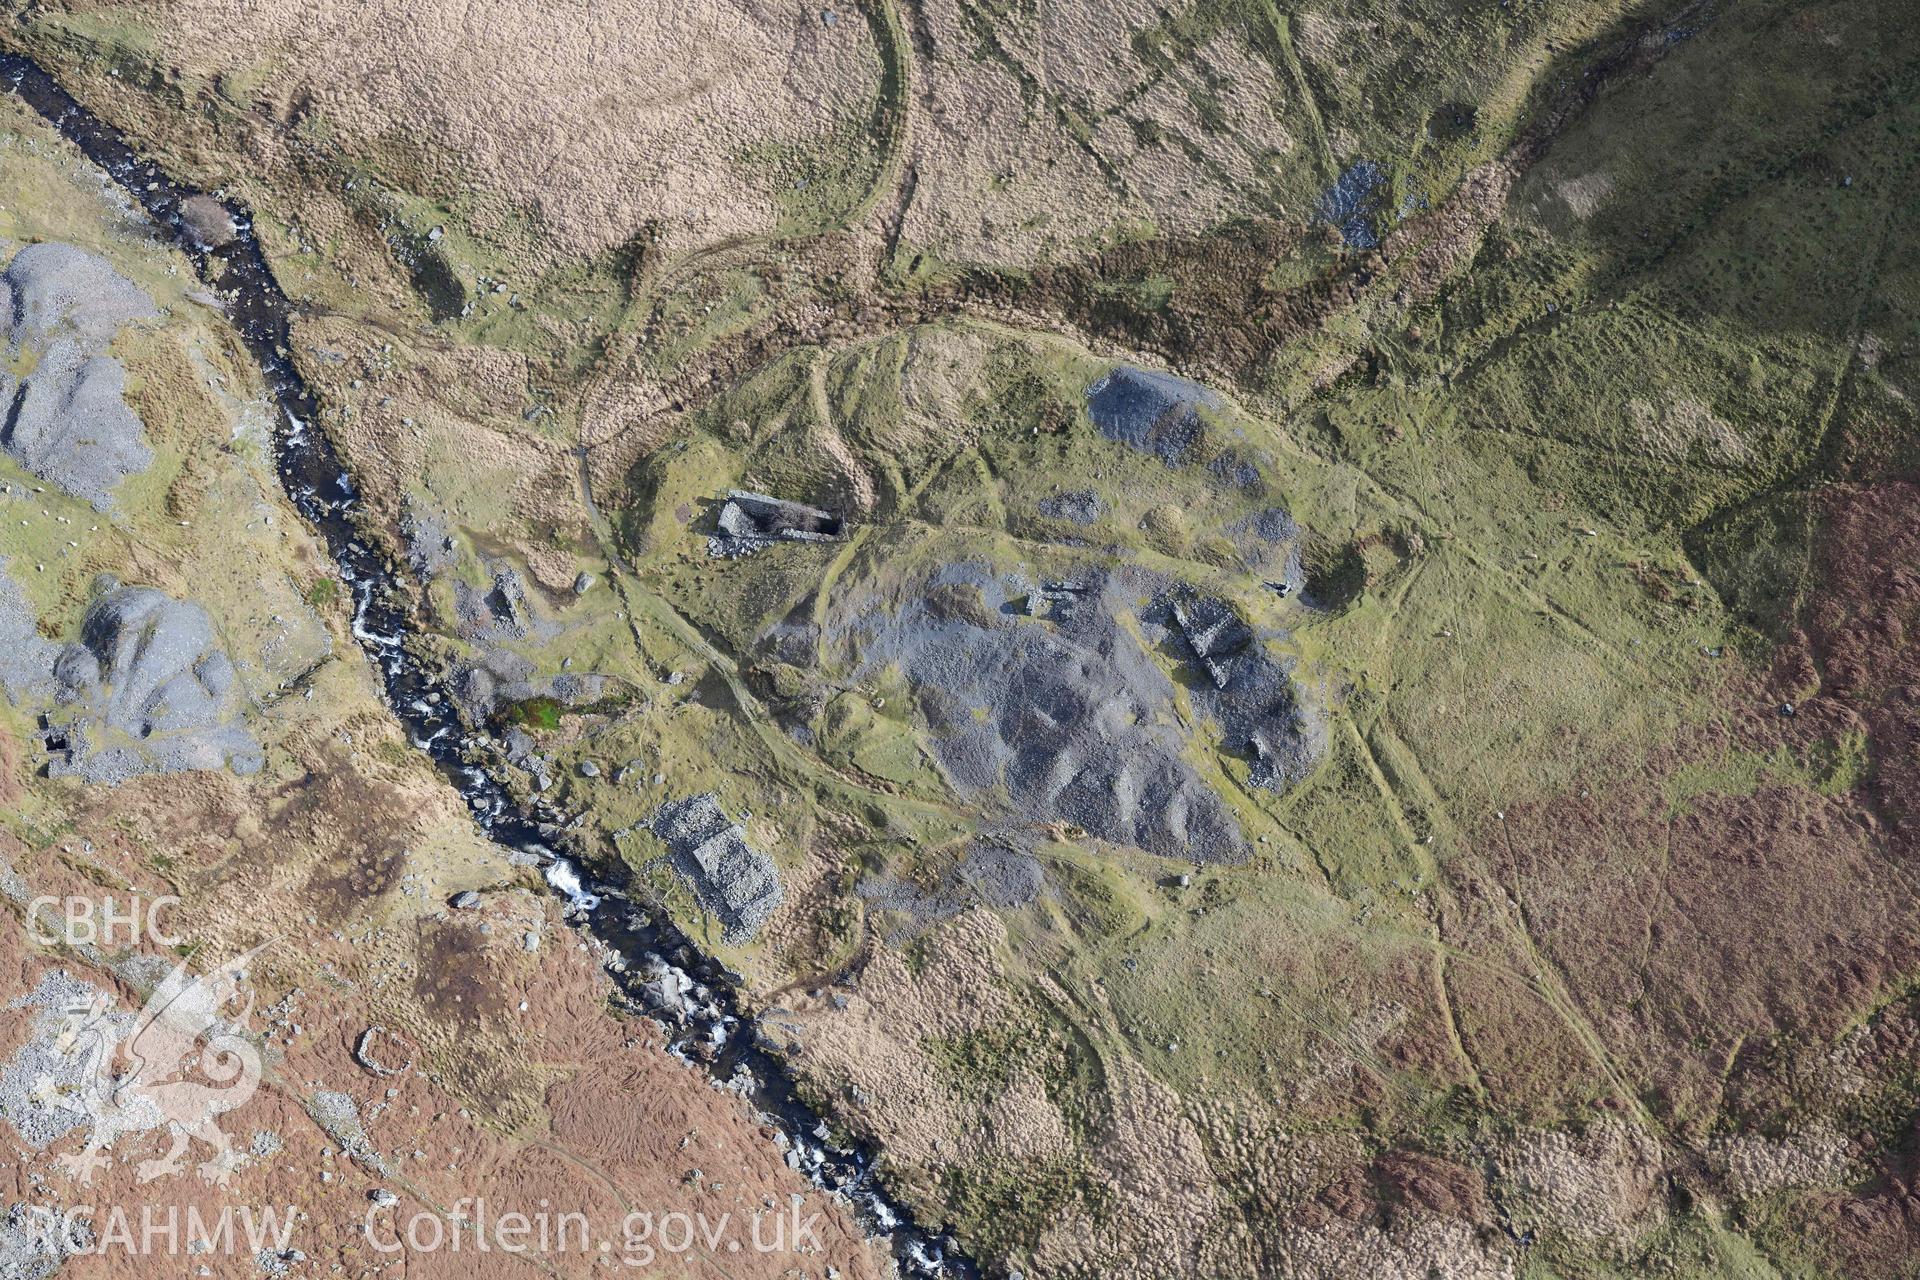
[67, 419]
[146, 689]
[736, 882]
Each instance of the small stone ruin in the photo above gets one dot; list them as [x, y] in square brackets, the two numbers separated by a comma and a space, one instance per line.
[749, 521]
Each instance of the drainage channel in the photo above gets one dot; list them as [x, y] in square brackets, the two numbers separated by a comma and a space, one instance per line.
[656, 966]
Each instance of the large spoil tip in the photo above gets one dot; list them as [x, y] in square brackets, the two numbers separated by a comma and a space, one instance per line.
[153, 690]
[67, 421]
[710, 1033]
[1155, 413]
[1060, 719]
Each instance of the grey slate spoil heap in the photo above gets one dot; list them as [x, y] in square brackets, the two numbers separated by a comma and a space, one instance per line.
[733, 880]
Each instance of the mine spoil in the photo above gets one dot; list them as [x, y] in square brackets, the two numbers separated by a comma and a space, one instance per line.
[657, 967]
[68, 421]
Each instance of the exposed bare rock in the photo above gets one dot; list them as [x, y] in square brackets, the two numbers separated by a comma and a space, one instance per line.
[148, 691]
[735, 881]
[68, 421]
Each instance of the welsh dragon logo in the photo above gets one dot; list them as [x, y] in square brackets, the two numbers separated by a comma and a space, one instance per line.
[183, 1062]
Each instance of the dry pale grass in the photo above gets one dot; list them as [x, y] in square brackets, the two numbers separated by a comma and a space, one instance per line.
[1755, 1165]
[1000, 181]
[875, 1043]
[1585, 195]
[1169, 1217]
[1147, 1156]
[598, 118]
[443, 422]
[1672, 428]
[1602, 1187]
[1429, 1247]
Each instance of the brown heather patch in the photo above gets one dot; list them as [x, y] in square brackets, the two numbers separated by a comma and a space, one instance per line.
[1688, 928]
